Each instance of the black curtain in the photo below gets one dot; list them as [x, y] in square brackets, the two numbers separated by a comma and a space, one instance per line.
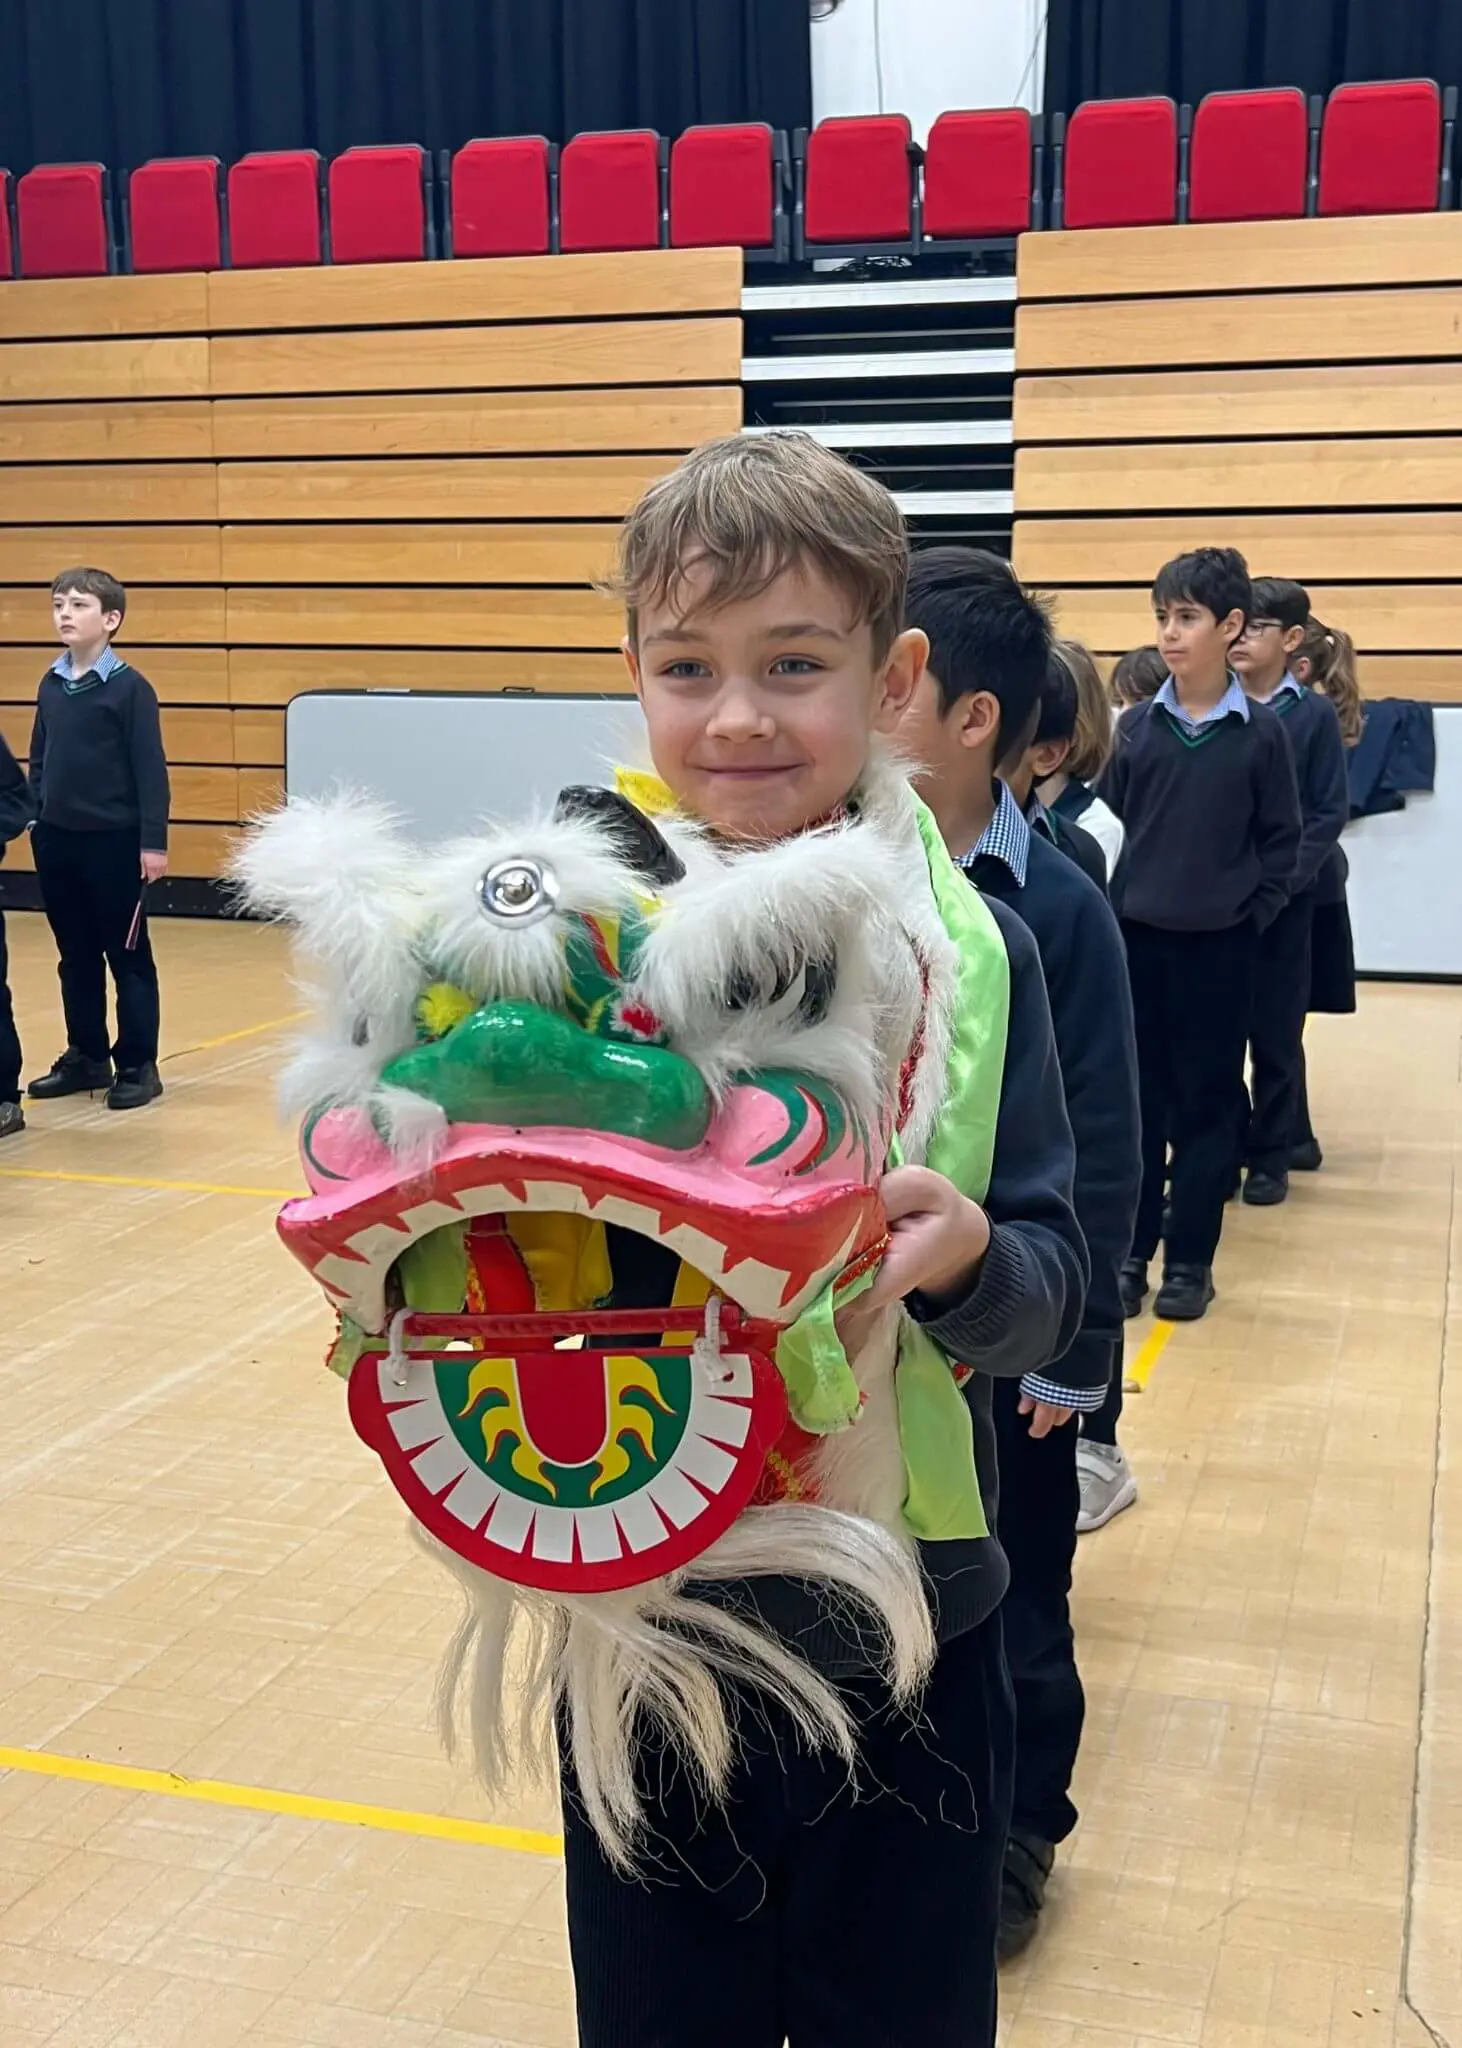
[1114, 49]
[123, 80]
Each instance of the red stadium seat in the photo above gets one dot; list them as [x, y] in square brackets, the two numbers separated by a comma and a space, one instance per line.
[173, 204]
[977, 175]
[62, 210]
[1250, 156]
[727, 188]
[1381, 148]
[1121, 164]
[609, 190]
[858, 183]
[7, 252]
[274, 210]
[501, 197]
[378, 204]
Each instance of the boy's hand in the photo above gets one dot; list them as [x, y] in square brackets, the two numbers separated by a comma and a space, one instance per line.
[154, 866]
[937, 1238]
[1045, 1416]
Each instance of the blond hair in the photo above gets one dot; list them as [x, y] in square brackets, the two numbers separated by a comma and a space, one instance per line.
[1331, 655]
[746, 509]
[1091, 741]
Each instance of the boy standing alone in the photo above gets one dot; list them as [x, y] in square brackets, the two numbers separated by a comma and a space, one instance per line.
[100, 784]
[1204, 784]
[1273, 635]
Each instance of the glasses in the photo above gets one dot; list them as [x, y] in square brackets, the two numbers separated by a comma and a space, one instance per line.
[1257, 626]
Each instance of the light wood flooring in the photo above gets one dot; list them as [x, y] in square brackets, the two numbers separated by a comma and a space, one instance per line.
[202, 1573]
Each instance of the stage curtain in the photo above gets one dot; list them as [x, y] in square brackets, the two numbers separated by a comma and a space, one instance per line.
[1113, 49]
[123, 80]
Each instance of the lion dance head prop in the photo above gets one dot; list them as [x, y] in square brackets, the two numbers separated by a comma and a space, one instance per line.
[594, 1115]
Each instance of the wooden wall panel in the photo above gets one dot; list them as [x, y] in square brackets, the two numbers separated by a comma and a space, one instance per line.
[1430, 678]
[421, 618]
[104, 369]
[1273, 255]
[1118, 334]
[1381, 618]
[160, 492]
[1214, 475]
[135, 554]
[530, 357]
[467, 487]
[426, 552]
[1189, 405]
[501, 288]
[405, 476]
[160, 430]
[274, 676]
[196, 852]
[1406, 546]
[46, 309]
[474, 423]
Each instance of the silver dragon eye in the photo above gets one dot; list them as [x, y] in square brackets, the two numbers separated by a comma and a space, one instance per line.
[519, 891]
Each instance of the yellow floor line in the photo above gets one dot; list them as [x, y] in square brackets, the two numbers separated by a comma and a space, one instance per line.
[132, 1180]
[1137, 1375]
[233, 1037]
[297, 1805]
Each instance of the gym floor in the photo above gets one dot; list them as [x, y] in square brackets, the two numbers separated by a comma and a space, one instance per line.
[224, 1814]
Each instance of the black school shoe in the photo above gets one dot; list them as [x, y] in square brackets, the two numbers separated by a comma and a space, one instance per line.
[1185, 1293]
[73, 1074]
[134, 1087]
[12, 1119]
[1306, 1157]
[1132, 1286]
[1028, 1864]
[1265, 1190]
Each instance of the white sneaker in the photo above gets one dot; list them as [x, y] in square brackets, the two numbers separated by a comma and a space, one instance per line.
[1106, 1482]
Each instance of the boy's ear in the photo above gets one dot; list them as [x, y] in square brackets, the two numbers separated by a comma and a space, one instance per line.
[110, 622]
[1293, 637]
[979, 719]
[906, 662]
[1046, 758]
[632, 662]
[1232, 626]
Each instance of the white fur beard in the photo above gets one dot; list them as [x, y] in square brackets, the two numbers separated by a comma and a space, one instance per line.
[608, 1664]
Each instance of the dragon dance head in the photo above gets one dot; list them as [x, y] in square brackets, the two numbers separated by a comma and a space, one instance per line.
[594, 1114]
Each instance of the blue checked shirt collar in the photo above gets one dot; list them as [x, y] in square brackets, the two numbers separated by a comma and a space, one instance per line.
[1007, 838]
[101, 668]
[1233, 699]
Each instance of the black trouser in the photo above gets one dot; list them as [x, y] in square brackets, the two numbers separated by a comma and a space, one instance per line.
[1303, 1132]
[1101, 1424]
[91, 883]
[1039, 1498]
[1276, 1033]
[815, 1909]
[9, 1036]
[1192, 997]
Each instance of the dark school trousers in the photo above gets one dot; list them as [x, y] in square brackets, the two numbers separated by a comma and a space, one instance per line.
[1039, 1498]
[811, 1908]
[1100, 1424]
[1192, 999]
[1276, 1036]
[9, 1036]
[91, 884]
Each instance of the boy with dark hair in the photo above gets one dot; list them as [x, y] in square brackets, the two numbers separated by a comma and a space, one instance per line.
[991, 667]
[15, 815]
[1203, 781]
[764, 583]
[100, 784]
[1273, 636]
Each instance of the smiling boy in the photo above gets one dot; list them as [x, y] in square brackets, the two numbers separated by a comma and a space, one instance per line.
[764, 586]
[1204, 785]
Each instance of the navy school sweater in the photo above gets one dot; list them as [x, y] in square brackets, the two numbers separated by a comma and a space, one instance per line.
[96, 757]
[1023, 1311]
[1085, 967]
[1212, 819]
[1313, 731]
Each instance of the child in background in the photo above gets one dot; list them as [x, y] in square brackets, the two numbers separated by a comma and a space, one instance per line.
[764, 586]
[989, 679]
[15, 815]
[1138, 677]
[100, 784]
[1325, 660]
[1204, 784]
[1270, 640]
[1066, 769]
